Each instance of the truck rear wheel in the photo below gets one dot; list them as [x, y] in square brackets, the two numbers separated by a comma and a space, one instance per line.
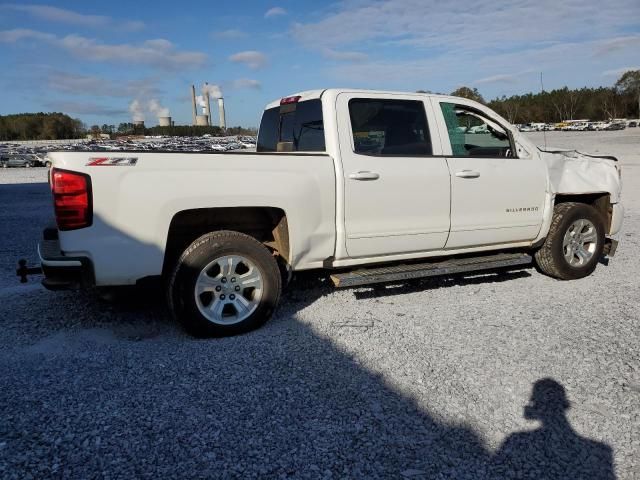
[574, 243]
[225, 283]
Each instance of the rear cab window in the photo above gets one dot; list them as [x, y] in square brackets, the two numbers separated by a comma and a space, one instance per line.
[292, 127]
[385, 127]
[389, 127]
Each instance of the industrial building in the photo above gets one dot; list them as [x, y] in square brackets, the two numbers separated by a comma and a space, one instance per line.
[206, 118]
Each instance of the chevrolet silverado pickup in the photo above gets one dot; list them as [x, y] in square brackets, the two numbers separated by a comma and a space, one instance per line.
[373, 186]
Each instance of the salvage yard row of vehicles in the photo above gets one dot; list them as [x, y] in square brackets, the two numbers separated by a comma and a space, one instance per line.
[577, 126]
[15, 155]
[370, 186]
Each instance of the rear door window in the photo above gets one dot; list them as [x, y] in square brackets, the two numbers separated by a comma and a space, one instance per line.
[389, 127]
[296, 127]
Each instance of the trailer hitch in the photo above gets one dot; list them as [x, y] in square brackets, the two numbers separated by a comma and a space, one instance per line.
[22, 271]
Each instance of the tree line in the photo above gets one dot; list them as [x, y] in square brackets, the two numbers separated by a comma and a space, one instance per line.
[592, 103]
[40, 126]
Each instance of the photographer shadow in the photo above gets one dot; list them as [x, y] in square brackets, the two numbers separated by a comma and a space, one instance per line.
[554, 450]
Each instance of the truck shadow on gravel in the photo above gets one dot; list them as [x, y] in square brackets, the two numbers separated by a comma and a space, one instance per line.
[279, 402]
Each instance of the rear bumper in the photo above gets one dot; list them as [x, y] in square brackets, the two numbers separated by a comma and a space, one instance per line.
[60, 271]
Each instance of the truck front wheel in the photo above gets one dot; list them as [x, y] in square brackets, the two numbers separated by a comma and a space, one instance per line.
[225, 283]
[574, 243]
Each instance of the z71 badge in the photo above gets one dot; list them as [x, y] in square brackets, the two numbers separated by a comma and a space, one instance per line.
[112, 162]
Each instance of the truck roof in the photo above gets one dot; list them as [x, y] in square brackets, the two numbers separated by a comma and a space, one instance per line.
[313, 94]
[306, 95]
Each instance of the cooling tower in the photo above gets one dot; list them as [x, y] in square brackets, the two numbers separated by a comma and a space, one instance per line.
[202, 120]
[164, 121]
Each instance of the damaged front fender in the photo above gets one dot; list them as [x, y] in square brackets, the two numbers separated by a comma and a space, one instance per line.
[573, 172]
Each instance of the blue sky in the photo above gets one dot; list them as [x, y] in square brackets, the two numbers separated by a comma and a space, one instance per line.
[93, 60]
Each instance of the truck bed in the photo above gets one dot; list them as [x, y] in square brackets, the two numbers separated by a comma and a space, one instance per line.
[135, 201]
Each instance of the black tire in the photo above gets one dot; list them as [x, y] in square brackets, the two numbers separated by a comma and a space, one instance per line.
[550, 257]
[181, 288]
[47, 164]
[27, 165]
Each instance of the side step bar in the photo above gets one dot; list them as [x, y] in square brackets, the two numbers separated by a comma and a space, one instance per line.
[429, 269]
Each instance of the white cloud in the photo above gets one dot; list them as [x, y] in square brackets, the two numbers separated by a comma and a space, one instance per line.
[275, 12]
[60, 15]
[616, 44]
[18, 34]
[251, 58]
[570, 64]
[413, 44]
[246, 83]
[158, 53]
[78, 84]
[502, 26]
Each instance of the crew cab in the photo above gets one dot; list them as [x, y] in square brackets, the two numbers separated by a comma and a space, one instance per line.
[373, 186]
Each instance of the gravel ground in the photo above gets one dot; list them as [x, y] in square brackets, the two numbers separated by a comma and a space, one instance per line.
[421, 380]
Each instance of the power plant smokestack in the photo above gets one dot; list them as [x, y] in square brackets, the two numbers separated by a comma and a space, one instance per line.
[193, 103]
[207, 100]
[164, 121]
[223, 121]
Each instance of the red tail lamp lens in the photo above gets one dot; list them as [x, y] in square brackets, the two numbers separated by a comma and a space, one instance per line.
[71, 199]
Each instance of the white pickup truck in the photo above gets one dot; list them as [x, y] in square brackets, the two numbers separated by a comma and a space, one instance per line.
[374, 186]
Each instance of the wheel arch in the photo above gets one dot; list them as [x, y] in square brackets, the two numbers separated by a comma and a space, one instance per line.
[601, 201]
[268, 225]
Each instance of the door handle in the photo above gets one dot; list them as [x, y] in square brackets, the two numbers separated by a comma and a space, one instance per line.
[467, 174]
[364, 176]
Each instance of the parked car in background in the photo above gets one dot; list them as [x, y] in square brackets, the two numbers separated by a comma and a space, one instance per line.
[19, 161]
[632, 124]
[617, 126]
[601, 125]
[579, 127]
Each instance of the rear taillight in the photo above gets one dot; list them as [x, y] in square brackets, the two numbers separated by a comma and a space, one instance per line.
[71, 199]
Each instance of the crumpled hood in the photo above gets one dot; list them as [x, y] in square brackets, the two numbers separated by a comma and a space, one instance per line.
[571, 171]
